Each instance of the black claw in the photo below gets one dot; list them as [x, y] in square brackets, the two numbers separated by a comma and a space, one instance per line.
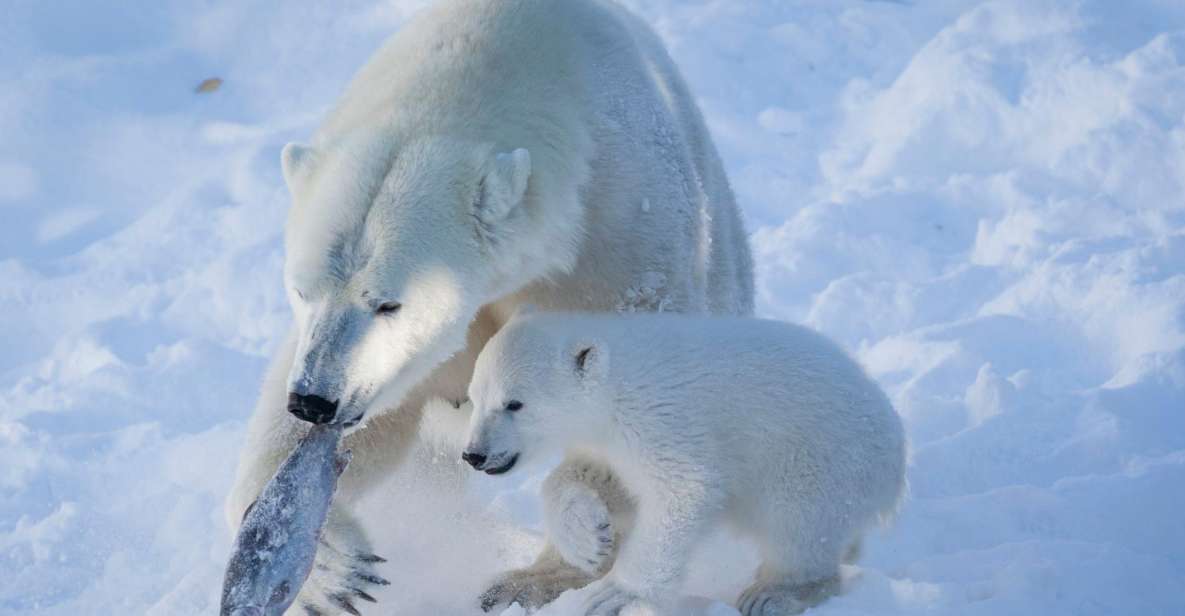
[312, 611]
[361, 594]
[344, 603]
[371, 578]
[604, 526]
[371, 558]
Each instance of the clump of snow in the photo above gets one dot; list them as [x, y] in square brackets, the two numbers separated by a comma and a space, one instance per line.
[981, 200]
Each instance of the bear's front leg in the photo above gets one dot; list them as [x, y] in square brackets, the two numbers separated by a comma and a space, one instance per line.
[345, 568]
[345, 571]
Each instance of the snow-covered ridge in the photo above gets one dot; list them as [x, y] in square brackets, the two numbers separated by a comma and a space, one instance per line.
[982, 201]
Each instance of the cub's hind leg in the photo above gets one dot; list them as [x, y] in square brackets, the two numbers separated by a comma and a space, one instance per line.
[801, 553]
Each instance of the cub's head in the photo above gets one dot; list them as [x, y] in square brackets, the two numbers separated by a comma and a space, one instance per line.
[536, 389]
[390, 254]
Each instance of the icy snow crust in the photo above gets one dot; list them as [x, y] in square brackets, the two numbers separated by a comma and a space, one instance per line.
[982, 201]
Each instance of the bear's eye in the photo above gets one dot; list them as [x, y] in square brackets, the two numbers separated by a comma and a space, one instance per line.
[514, 405]
[388, 308]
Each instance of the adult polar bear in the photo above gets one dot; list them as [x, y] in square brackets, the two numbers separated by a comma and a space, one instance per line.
[492, 153]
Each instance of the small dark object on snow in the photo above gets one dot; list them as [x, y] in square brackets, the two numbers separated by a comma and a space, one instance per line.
[208, 85]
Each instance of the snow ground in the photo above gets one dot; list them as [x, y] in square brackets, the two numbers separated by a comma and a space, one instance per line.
[982, 200]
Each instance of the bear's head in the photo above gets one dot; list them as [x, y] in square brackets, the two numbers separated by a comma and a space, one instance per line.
[537, 389]
[390, 253]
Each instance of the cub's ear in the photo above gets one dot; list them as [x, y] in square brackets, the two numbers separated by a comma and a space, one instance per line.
[295, 161]
[589, 360]
[503, 186]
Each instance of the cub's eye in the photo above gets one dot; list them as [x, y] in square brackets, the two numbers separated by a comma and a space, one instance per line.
[514, 405]
[388, 308]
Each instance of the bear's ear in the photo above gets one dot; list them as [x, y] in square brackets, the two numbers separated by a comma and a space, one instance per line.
[589, 359]
[504, 185]
[295, 161]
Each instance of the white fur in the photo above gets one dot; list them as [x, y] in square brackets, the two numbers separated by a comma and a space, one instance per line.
[493, 152]
[764, 425]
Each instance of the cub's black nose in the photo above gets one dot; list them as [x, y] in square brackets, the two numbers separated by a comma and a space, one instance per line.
[474, 459]
[313, 409]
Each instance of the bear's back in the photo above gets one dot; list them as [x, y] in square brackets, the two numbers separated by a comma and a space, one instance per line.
[468, 69]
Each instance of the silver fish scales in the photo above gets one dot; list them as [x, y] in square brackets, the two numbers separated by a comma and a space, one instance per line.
[277, 542]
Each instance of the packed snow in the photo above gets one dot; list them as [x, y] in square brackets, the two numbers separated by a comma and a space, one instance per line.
[982, 201]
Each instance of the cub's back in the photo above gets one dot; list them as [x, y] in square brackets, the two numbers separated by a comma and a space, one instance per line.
[782, 402]
[770, 403]
[790, 361]
[763, 378]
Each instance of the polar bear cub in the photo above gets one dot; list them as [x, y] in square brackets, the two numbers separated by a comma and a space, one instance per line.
[763, 425]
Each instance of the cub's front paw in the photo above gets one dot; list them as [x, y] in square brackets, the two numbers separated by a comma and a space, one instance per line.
[532, 587]
[581, 529]
[608, 598]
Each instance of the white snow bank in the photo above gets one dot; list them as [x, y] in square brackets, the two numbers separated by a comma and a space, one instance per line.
[983, 201]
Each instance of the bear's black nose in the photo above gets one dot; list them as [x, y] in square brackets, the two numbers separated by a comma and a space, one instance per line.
[313, 409]
[474, 459]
